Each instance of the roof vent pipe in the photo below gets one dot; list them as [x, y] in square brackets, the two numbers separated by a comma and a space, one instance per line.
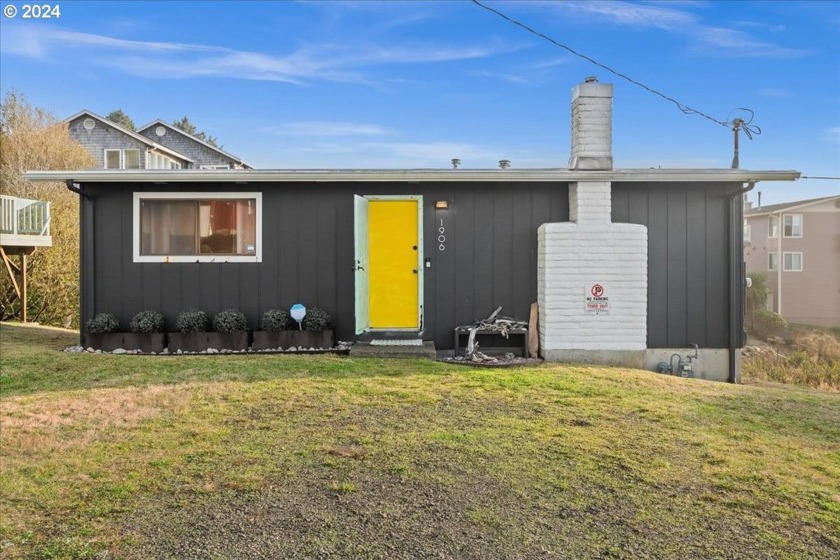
[504, 163]
[456, 163]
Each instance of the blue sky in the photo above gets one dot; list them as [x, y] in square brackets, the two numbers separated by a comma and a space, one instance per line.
[414, 84]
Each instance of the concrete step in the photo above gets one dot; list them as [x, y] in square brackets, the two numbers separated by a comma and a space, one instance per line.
[367, 350]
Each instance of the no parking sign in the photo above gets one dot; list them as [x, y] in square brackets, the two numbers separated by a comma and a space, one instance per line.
[596, 298]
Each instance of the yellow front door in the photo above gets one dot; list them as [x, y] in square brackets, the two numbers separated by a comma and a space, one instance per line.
[393, 261]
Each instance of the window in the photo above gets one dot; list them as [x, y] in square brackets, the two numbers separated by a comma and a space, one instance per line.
[747, 231]
[793, 262]
[220, 166]
[113, 159]
[772, 261]
[155, 160]
[197, 227]
[773, 226]
[131, 159]
[793, 225]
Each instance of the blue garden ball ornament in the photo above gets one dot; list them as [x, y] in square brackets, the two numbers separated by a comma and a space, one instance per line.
[298, 312]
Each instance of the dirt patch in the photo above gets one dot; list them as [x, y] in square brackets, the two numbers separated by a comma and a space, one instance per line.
[500, 362]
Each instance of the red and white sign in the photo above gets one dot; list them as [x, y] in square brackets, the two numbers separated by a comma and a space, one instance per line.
[596, 298]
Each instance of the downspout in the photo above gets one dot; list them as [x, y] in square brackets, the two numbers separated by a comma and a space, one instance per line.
[736, 264]
[86, 276]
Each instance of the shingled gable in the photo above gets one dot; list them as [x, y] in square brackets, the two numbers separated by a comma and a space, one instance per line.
[203, 153]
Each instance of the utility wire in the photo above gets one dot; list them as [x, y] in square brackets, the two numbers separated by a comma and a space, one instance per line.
[827, 178]
[684, 108]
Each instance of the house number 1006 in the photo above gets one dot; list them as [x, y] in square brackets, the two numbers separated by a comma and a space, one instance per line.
[441, 237]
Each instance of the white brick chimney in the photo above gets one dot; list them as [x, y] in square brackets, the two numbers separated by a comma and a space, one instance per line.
[590, 255]
[592, 126]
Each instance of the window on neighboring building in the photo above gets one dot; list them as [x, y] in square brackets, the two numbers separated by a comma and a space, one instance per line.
[793, 225]
[747, 232]
[113, 159]
[772, 261]
[155, 160]
[181, 227]
[772, 226]
[793, 262]
[131, 159]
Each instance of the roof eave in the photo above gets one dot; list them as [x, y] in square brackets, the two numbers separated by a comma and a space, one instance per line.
[412, 175]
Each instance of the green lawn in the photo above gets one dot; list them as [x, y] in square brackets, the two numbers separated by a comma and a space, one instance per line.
[332, 457]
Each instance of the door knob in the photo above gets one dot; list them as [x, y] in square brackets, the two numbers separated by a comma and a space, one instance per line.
[414, 271]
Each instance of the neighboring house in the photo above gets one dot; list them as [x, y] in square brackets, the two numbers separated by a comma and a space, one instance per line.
[155, 146]
[628, 266]
[116, 147]
[203, 155]
[804, 236]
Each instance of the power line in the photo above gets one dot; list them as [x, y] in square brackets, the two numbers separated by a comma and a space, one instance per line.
[684, 108]
[826, 178]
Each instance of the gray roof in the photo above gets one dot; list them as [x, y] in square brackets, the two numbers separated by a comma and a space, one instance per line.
[788, 205]
[244, 176]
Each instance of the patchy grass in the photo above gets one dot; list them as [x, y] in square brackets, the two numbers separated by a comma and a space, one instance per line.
[279, 456]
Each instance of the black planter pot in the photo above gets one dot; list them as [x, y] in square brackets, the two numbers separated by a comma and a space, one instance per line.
[145, 342]
[265, 340]
[107, 342]
[201, 341]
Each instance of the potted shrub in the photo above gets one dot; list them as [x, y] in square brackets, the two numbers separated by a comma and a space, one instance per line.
[103, 333]
[317, 329]
[192, 326]
[274, 333]
[146, 333]
[231, 331]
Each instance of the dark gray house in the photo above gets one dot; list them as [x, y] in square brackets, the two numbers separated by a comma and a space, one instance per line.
[155, 146]
[202, 154]
[628, 265]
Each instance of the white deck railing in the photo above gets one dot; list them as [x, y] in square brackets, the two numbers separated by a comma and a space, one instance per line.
[22, 216]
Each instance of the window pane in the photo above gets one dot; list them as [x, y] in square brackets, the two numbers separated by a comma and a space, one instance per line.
[228, 227]
[772, 226]
[168, 227]
[112, 159]
[132, 159]
[772, 263]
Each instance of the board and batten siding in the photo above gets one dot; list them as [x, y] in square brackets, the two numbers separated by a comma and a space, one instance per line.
[688, 258]
[490, 255]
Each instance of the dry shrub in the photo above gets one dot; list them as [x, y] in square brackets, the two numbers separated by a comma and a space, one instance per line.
[821, 345]
[813, 359]
[33, 139]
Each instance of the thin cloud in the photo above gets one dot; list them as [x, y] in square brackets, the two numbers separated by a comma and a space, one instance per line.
[325, 129]
[774, 92]
[666, 17]
[834, 134]
[172, 60]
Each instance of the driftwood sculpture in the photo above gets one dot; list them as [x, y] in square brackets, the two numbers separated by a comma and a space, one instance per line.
[492, 323]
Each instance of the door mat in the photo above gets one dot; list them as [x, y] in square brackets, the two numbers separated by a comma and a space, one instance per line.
[410, 342]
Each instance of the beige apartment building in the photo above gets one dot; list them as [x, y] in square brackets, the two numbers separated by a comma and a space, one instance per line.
[797, 245]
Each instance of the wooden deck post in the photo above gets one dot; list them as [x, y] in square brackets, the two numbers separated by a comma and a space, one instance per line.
[23, 303]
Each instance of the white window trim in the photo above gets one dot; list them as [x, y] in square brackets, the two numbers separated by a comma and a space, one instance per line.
[801, 262]
[770, 256]
[801, 226]
[138, 258]
[105, 158]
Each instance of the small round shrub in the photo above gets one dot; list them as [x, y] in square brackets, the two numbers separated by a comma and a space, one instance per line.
[767, 324]
[192, 321]
[316, 320]
[275, 320]
[230, 321]
[103, 323]
[148, 322]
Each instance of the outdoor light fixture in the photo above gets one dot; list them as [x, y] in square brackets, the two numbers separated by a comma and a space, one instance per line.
[441, 204]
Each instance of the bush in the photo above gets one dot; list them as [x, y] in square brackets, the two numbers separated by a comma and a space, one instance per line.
[103, 323]
[317, 320]
[147, 322]
[230, 321]
[766, 324]
[275, 320]
[192, 321]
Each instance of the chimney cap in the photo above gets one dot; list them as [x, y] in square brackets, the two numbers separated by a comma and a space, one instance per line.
[590, 79]
[504, 163]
